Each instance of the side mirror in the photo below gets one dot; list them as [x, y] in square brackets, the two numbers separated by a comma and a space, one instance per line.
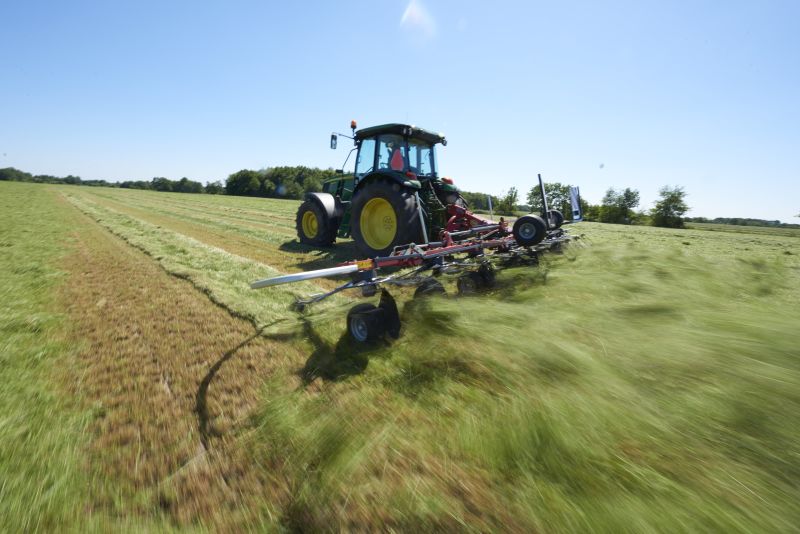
[334, 139]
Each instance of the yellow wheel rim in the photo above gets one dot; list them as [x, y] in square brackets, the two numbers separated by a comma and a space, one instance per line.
[310, 226]
[378, 223]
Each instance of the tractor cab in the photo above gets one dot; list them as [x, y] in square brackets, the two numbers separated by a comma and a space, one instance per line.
[399, 148]
[404, 153]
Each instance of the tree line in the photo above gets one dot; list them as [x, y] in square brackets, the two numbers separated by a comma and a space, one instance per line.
[293, 182]
[184, 185]
[618, 206]
[742, 221]
[277, 182]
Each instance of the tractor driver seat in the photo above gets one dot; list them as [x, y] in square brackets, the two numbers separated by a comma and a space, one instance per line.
[396, 163]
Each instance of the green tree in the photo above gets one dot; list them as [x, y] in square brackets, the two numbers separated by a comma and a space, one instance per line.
[215, 188]
[15, 175]
[479, 201]
[245, 182]
[508, 202]
[161, 184]
[669, 210]
[185, 185]
[590, 212]
[131, 184]
[558, 197]
[617, 206]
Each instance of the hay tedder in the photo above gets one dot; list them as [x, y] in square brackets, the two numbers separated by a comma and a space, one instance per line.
[413, 227]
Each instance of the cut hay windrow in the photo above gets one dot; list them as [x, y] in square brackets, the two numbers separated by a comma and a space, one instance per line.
[264, 230]
[223, 276]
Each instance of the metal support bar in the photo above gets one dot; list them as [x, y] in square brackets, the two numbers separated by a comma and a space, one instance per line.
[545, 213]
[421, 217]
[298, 277]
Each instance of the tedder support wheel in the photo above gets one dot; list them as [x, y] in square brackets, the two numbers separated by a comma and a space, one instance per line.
[314, 227]
[428, 287]
[556, 218]
[486, 271]
[470, 283]
[365, 323]
[384, 215]
[529, 230]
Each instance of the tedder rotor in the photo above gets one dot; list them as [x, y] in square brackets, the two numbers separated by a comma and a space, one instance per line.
[405, 218]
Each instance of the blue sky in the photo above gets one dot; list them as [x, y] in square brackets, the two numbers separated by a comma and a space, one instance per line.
[598, 94]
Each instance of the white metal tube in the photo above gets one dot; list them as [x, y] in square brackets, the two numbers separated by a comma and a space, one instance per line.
[299, 277]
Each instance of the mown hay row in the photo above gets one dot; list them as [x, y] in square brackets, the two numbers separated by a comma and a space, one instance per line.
[222, 276]
[264, 225]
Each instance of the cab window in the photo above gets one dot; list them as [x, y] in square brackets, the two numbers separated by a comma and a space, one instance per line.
[420, 158]
[392, 153]
[366, 157]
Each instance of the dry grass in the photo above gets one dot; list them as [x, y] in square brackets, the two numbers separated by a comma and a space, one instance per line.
[224, 277]
[259, 234]
[167, 374]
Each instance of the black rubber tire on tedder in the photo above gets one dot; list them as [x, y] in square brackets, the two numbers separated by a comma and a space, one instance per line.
[529, 230]
[365, 323]
[487, 274]
[556, 219]
[470, 283]
[403, 217]
[313, 225]
[428, 287]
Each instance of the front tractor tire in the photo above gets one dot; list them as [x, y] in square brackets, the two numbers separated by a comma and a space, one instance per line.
[384, 215]
[314, 227]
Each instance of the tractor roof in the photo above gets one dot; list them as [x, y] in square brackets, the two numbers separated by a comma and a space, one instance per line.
[400, 129]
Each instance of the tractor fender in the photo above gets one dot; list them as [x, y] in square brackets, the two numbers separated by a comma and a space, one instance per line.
[327, 202]
[393, 176]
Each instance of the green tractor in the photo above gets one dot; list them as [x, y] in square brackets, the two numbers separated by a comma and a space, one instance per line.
[394, 197]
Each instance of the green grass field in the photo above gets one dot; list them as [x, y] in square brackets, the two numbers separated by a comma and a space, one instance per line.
[645, 380]
[757, 230]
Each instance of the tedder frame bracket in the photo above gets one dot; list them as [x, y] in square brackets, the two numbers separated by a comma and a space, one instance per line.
[368, 280]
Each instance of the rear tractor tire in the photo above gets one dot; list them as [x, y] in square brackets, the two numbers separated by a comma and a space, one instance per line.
[314, 227]
[384, 215]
